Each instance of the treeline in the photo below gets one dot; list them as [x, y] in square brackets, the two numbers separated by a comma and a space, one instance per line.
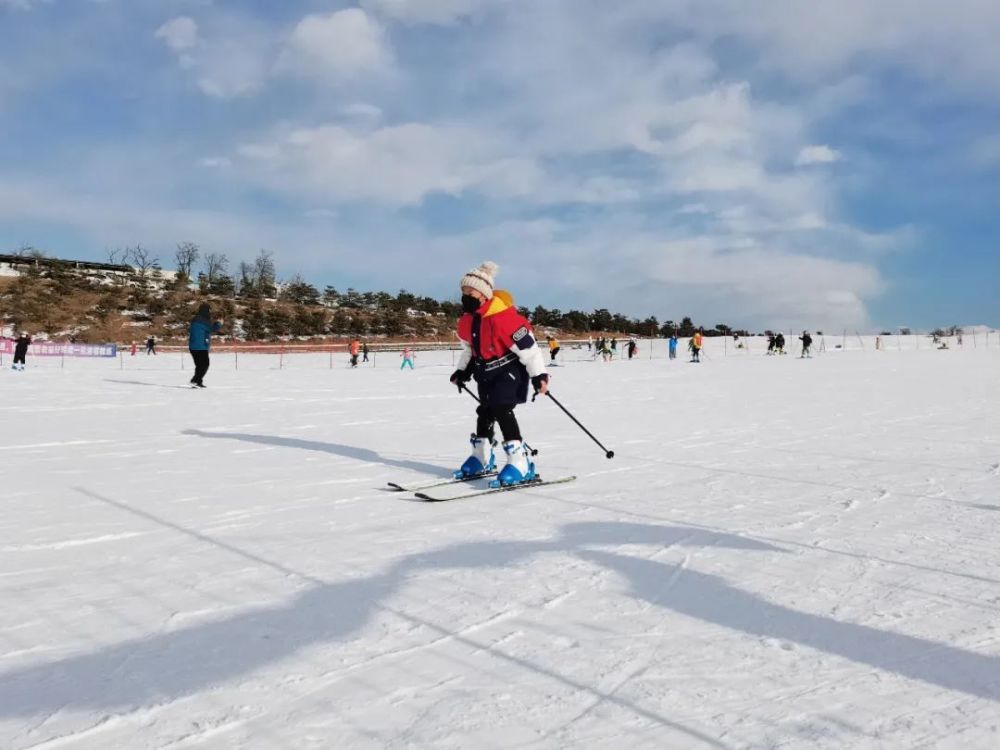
[131, 291]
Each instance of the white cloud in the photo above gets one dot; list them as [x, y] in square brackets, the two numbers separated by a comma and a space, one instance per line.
[215, 162]
[229, 57]
[443, 12]
[396, 165]
[951, 44]
[21, 4]
[362, 111]
[816, 155]
[342, 44]
[180, 34]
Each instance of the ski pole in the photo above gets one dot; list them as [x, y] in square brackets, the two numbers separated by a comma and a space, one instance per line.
[465, 388]
[607, 453]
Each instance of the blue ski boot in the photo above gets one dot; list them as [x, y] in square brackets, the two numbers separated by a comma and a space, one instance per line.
[519, 468]
[481, 461]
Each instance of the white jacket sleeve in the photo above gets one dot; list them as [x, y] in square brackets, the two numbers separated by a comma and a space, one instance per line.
[465, 357]
[531, 358]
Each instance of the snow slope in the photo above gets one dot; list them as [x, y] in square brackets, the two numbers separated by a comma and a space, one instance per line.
[784, 553]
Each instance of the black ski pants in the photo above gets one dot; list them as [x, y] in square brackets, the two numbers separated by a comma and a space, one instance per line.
[503, 415]
[200, 357]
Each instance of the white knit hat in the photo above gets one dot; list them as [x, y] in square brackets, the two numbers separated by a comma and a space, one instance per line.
[481, 279]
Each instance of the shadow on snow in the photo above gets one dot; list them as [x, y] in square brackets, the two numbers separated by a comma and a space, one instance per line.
[346, 451]
[167, 666]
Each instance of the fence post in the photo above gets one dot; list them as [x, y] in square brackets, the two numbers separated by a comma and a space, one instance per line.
[236, 359]
[331, 357]
[121, 360]
[281, 358]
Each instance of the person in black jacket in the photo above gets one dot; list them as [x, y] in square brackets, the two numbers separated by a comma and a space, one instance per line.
[807, 342]
[21, 350]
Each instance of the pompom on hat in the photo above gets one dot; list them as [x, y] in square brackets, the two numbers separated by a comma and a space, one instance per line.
[481, 279]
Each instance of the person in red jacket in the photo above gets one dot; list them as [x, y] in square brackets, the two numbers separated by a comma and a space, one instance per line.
[498, 351]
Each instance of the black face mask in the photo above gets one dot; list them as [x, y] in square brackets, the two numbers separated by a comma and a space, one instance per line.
[470, 304]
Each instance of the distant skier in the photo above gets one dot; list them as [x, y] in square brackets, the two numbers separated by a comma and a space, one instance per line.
[779, 343]
[498, 351]
[200, 341]
[695, 345]
[672, 346]
[133, 349]
[632, 347]
[355, 350]
[590, 343]
[771, 343]
[407, 356]
[151, 345]
[614, 347]
[553, 350]
[807, 342]
[21, 350]
[364, 352]
[603, 350]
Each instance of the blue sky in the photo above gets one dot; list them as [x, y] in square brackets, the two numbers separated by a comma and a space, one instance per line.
[756, 163]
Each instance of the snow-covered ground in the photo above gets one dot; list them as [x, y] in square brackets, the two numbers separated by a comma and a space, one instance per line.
[784, 553]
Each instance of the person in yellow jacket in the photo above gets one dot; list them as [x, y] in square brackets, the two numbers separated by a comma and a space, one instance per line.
[697, 341]
[553, 349]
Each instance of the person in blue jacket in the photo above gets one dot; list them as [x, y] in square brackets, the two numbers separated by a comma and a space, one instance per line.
[199, 341]
[673, 346]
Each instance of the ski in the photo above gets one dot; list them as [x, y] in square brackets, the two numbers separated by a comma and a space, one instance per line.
[440, 483]
[536, 482]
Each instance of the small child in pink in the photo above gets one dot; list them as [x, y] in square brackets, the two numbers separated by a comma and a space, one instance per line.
[408, 357]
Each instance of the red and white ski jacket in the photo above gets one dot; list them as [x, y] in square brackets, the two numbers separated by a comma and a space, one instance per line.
[495, 331]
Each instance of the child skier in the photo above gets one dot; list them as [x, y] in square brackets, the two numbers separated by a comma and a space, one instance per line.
[21, 350]
[695, 349]
[407, 356]
[807, 342]
[499, 351]
[553, 350]
[672, 346]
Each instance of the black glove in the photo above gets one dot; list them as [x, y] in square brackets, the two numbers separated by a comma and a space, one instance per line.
[536, 382]
[460, 377]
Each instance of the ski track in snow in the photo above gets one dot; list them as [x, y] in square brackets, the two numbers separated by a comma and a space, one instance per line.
[780, 555]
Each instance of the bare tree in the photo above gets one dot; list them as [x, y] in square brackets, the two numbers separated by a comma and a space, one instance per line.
[186, 256]
[119, 256]
[216, 265]
[265, 273]
[247, 279]
[143, 259]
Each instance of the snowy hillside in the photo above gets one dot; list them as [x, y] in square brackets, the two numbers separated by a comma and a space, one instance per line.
[784, 553]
